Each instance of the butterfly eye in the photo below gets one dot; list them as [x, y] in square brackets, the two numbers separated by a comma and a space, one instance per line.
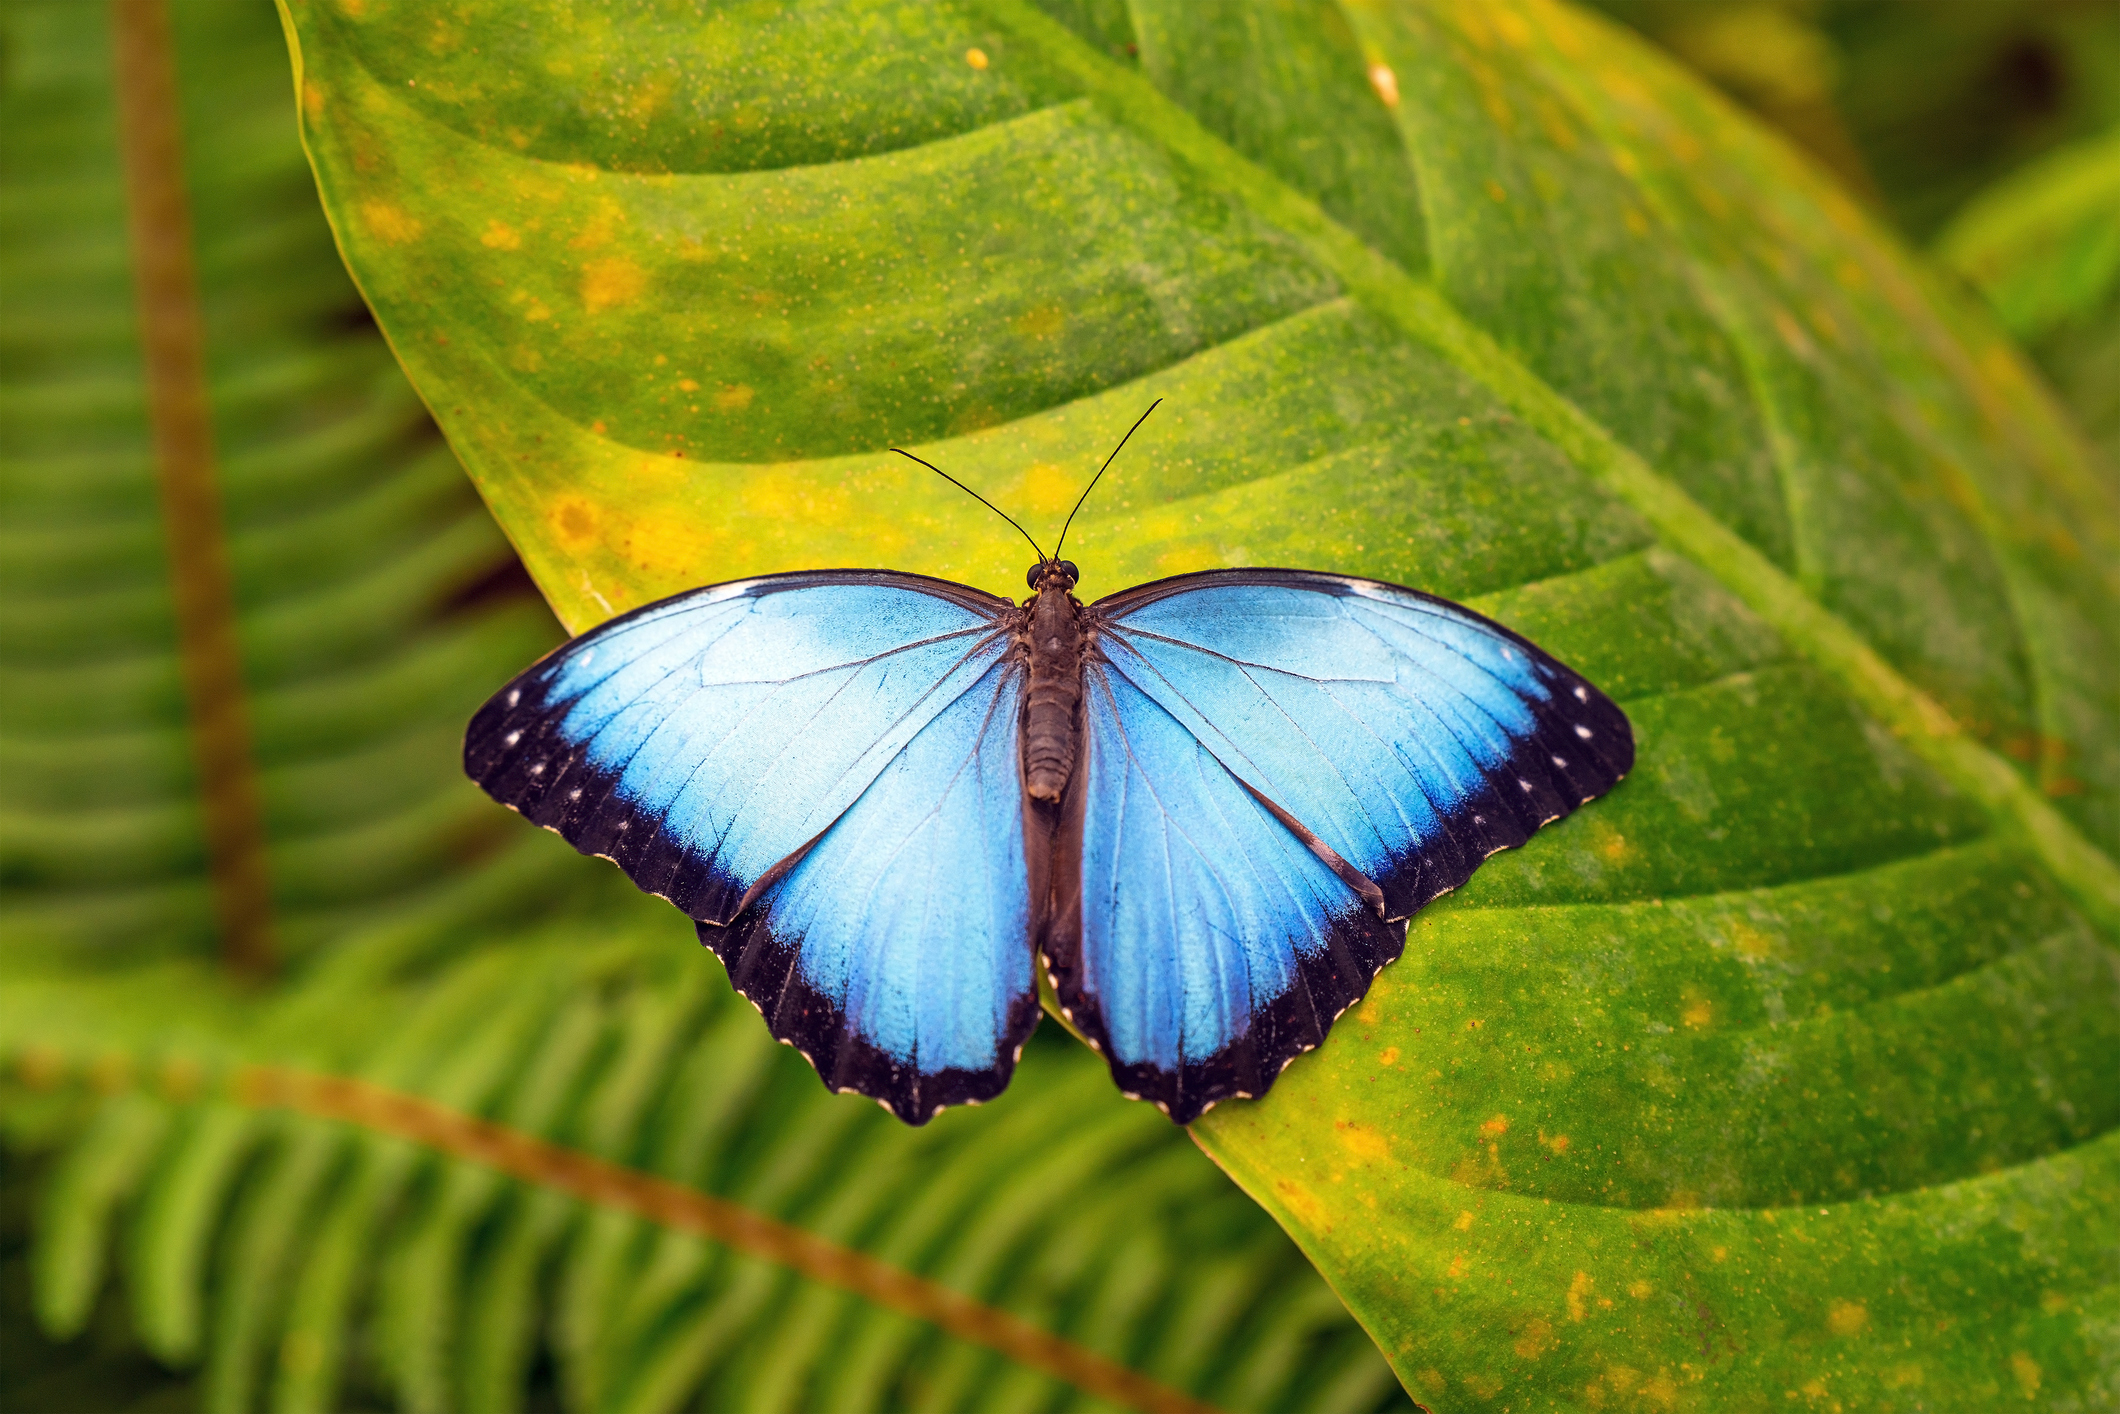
[1067, 567]
[1037, 572]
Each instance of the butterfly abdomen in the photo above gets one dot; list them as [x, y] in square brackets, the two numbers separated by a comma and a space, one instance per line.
[1050, 717]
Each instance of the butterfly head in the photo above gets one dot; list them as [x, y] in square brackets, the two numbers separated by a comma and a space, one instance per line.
[1053, 574]
[1050, 572]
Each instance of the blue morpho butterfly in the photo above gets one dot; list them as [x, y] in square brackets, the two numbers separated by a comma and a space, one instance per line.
[1206, 806]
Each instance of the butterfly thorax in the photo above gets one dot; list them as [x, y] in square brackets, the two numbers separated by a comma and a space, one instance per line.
[1053, 628]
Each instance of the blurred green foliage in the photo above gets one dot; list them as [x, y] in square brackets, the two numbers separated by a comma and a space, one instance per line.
[1915, 104]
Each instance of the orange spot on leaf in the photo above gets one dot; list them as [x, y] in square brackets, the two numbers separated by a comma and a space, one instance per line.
[575, 520]
[1386, 83]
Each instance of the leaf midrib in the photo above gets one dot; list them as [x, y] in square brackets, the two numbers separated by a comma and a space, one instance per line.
[1421, 312]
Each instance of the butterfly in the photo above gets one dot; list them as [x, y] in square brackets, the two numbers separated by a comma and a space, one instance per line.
[1204, 807]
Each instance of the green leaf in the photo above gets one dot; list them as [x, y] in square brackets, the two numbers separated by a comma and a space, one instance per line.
[1783, 1072]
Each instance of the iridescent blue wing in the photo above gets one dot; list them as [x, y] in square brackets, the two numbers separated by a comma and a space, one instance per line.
[1282, 767]
[820, 769]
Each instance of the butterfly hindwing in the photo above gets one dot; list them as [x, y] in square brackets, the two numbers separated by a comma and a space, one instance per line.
[1209, 942]
[896, 951]
[796, 740]
[1401, 737]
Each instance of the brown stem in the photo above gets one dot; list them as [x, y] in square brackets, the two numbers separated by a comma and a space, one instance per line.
[173, 347]
[684, 1209]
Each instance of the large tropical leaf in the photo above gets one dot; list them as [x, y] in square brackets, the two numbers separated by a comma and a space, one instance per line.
[1782, 1073]
[441, 952]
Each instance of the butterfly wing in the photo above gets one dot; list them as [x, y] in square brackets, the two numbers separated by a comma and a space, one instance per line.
[1209, 941]
[820, 769]
[895, 951]
[1392, 738]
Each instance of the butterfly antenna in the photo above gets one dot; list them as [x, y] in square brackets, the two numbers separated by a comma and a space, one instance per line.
[1100, 474]
[975, 496]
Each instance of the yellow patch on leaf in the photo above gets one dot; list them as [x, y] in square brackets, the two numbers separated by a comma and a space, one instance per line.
[609, 283]
[1578, 1289]
[1041, 322]
[1364, 1141]
[1049, 488]
[1299, 1201]
[388, 222]
[500, 237]
[1536, 1339]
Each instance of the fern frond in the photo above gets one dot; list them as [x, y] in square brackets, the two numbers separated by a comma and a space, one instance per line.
[600, 1135]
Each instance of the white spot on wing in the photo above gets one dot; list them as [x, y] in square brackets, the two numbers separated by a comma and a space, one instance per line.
[1582, 694]
[1582, 731]
[515, 695]
[1560, 763]
[512, 738]
[537, 768]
